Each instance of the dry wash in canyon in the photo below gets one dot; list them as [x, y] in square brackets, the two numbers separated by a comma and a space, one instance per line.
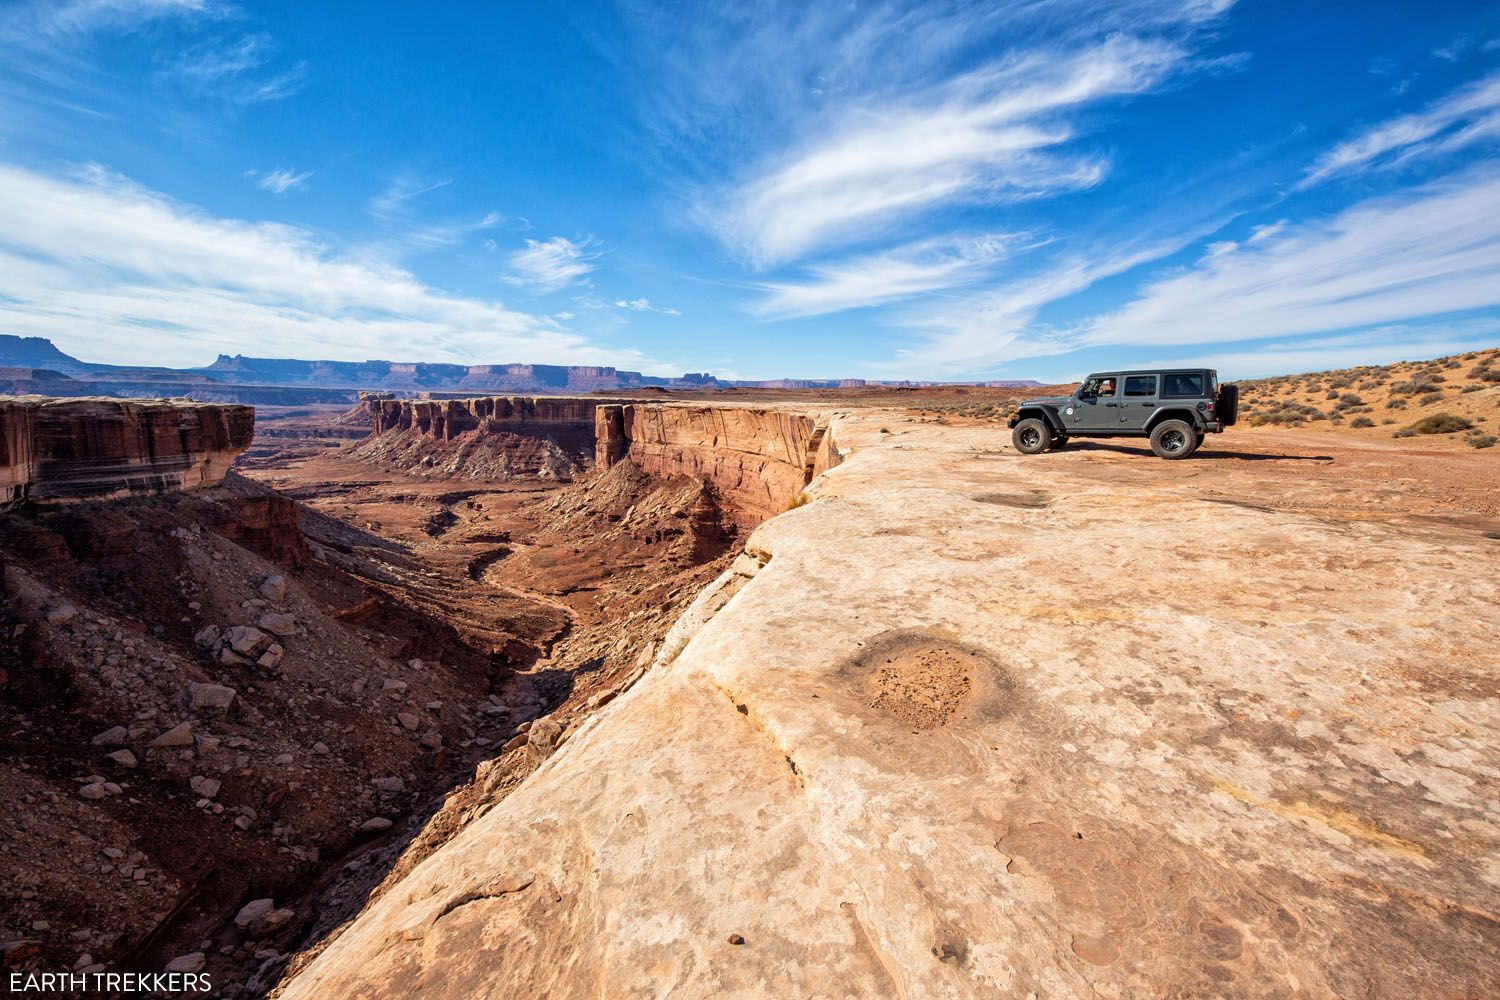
[820, 697]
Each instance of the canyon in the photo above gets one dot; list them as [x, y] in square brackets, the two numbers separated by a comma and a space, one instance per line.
[814, 697]
[98, 447]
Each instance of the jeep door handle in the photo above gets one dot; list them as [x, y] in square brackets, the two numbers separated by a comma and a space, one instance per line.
[1149, 405]
[1111, 404]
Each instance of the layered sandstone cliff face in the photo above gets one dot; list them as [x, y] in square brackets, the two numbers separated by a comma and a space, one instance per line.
[16, 423]
[758, 458]
[488, 437]
[60, 448]
[446, 419]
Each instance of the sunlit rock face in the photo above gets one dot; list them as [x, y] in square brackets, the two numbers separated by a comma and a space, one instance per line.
[66, 448]
[759, 459]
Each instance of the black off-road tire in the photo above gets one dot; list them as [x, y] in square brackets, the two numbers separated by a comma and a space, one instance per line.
[1032, 436]
[1174, 439]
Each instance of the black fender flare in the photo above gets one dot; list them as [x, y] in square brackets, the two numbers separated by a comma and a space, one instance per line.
[1045, 413]
[1187, 413]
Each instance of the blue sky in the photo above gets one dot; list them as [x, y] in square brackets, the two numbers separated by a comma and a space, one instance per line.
[951, 191]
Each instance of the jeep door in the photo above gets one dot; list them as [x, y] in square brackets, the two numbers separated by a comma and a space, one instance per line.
[1093, 407]
[1138, 399]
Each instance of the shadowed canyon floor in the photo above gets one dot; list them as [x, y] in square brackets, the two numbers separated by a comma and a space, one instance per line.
[967, 724]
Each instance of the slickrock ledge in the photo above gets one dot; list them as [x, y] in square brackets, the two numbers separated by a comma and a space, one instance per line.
[970, 725]
[97, 447]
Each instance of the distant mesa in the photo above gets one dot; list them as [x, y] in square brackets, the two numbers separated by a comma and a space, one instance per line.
[35, 365]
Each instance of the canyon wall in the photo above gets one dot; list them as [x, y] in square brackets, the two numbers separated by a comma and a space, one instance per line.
[487, 437]
[446, 419]
[61, 448]
[759, 459]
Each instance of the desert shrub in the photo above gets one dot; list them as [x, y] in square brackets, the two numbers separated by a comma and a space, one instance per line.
[1480, 440]
[1351, 398]
[1395, 404]
[1361, 422]
[1341, 383]
[1437, 377]
[1452, 364]
[1484, 374]
[1388, 421]
[1332, 394]
[1374, 383]
[1404, 432]
[1441, 423]
[1471, 388]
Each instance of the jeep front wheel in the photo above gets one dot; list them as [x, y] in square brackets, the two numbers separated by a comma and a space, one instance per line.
[1174, 439]
[1031, 436]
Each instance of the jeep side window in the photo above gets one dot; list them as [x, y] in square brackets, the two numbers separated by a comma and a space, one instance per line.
[1102, 386]
[1140, 385]
[1182, 386]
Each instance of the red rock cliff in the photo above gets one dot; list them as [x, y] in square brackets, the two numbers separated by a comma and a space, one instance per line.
[55, 448]
[446, 419]
[758, 458]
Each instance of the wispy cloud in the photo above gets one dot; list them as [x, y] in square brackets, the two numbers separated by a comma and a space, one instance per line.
[549, 265]
[983, 330]
[876, 279]
[1378, 346]
[990, 135]
[82, 16]
[116, 272]
[242, 70]
[1417, 254]
[402, 189]
[1467, 116]
[280, 180]
[644, 305]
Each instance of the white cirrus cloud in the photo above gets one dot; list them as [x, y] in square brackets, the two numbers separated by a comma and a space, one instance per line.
[1421, 253]
[280, 180]
[1468, 116]
[889, 276]
[80, 16]
[991, 135]
[550, 265]
[644, 305]
[1416, 258]
[114, 272]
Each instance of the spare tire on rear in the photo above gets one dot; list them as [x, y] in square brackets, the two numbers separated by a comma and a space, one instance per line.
[1228, 408]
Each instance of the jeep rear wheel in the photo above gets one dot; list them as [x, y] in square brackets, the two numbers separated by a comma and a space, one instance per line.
[1174, 439]
[1031, 436]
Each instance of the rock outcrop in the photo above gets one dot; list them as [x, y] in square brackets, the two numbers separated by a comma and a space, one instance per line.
[487, 437]
[759, 459]
[446, 419]
[66, 448]
[917, 743]
[16, 425]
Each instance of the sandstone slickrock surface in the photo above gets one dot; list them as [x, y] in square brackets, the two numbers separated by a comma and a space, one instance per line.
[63, 448]
[957, 727]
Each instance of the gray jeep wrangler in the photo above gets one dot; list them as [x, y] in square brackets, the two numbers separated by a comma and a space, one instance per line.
[1174, 407]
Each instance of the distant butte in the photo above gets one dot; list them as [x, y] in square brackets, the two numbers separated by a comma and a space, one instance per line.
[34, 364]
